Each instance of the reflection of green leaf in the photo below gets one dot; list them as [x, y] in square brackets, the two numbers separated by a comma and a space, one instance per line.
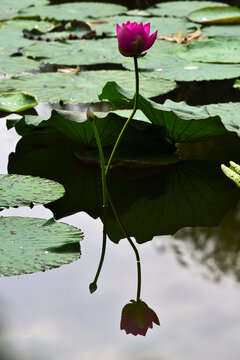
[163, 58]
[233, 172]
[17, 102]
[220, 50]
[77, 11]
[216, 15]
[179, 8]
[149, 202]
[182, 123]
[30, 245]
[19, 190]
[82, 87]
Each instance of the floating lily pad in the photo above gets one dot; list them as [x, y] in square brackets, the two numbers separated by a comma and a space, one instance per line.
[212, 51]
[182, 123]
[13, 65]
[29, 245]
[223, 31]
[83, 87]
[17, 41]
[216, 15]
[233, 172]
[229, 114]
[180, 8]
[165, 26]
[17, 102]
[19, 190]
[163, 58]
[10, 8]
[75, 11]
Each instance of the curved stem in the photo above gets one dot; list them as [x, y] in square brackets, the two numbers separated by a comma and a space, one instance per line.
[133, 247]
[130, 117]
[93, 285]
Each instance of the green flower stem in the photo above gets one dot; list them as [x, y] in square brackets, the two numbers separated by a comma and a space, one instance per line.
[93, 285]
[131, 116]
[133, 247]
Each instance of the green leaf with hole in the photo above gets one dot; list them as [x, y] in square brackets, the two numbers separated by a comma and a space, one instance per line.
[182, 123]
[164, 60]
[219, 50]
[233, 172]
[17, 102]
[77, 11]
[29, 245]
[83, 87]
[19, 190]
[180, 8]
[216, 15]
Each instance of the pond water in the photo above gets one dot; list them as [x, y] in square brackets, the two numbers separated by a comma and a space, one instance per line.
[194, 290]
[190, 279]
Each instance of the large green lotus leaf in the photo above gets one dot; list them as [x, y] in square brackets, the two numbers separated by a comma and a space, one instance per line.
[163, 58]
[229, 114]
[19, 190]
[17, 102]
[31, 245]
[224, 31]
[216, 15]
[83, 87]
[75, 125]
[233, 172]
[182, 123]
[180, 8]
[149, 204]
[9, 9]
[13, 65]
[212, 51]
[75, 11]
[77, 52]
[29, 24]
[165, 26]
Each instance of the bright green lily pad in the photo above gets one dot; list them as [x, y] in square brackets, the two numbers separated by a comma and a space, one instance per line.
[216, 15]
[19, 190]
[233, 172]
[83, 87]
[223, 31]
[180, 8]
[29, 245]
[182, 123]
[17, 102]
[212, 51]
[77, 11]
[163, 58]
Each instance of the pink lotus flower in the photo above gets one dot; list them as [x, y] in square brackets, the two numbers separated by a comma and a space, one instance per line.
[134, 39]
[137, 317]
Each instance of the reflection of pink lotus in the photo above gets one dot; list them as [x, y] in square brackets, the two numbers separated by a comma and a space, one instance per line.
[134, 39]
[137, 317]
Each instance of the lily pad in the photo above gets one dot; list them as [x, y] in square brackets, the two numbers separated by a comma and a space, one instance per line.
[82, 87]
[233, 172]
[13, 65]
[180, 8]
[182, 123]
[10, 8]
[77, 11]
[17, 102]
[163, 59]
[229, 114]
[29, 245]
[219, 50]
[19, 190]
[223, 31]
[216, 15]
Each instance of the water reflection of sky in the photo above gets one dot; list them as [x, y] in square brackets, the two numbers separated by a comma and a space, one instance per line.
[52, 315]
